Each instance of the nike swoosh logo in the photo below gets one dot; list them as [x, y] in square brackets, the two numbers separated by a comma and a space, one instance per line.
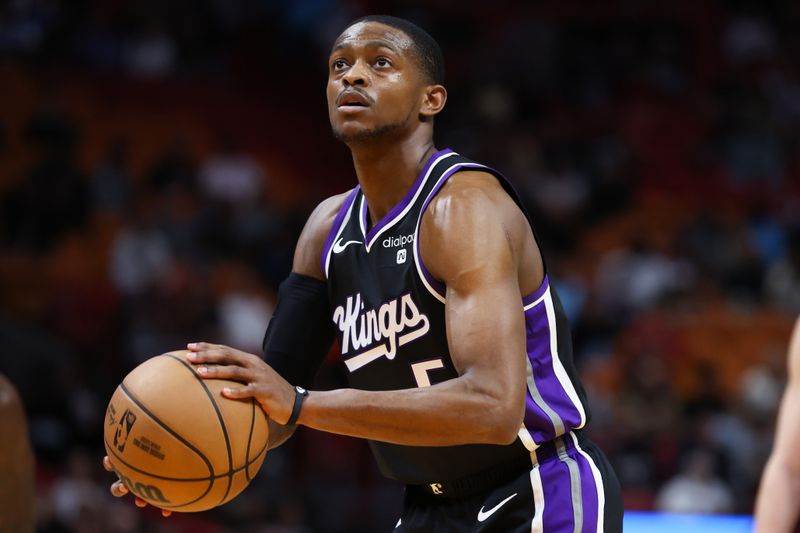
[338, 247]
[483, 515]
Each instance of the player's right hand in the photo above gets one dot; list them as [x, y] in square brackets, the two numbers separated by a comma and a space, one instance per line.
[119, 490]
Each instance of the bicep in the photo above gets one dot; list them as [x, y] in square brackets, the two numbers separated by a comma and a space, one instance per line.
[472, 252]
[485, 331]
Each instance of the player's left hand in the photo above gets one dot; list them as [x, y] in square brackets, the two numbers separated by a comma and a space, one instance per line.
[119, 489]
[274, 393]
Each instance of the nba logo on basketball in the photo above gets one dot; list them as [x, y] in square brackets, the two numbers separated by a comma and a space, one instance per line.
[401, 256]
[124, 429]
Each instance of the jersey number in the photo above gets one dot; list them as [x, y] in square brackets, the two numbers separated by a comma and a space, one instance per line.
[422, 368]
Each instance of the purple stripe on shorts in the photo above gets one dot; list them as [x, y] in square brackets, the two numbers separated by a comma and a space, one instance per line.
[406, 199]
[558, 516]
[591, 505]
[557, 486]
[337, 222]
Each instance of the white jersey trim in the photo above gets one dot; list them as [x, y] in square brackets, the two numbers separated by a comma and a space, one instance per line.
[336, 237]
[408, 206]
[537, 524]
[435, 189]
[558, 366]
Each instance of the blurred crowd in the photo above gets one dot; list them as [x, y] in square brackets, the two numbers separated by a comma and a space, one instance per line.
[158, 160]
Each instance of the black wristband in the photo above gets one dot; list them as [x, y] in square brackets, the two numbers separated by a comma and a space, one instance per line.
[300, 394]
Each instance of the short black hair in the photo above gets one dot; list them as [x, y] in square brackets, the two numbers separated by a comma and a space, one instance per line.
[425, 47]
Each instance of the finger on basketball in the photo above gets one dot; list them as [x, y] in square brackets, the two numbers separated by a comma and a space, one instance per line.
[107, 464]
[213, 355]
[233, 372]
[140, 502]
[238, 393]
[118, 489]
[165, 513]
[202, 346]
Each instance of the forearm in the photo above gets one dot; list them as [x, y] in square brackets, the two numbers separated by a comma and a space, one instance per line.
[278, 434]
[442, 415]
[778, 499]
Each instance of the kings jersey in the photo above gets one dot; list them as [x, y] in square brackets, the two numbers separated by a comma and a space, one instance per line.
[390, 316]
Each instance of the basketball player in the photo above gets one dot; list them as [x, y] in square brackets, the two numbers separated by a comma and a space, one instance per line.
[16, 464]
[454, 341]
[778, 502]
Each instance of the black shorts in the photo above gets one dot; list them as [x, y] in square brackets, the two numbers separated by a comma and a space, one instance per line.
[571, 487]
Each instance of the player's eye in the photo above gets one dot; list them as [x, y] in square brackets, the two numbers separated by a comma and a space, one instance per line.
[338, 64]
[383, 62]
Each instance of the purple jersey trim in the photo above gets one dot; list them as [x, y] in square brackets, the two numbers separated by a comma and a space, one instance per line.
[435, 284]
[553, 411]
[337, 222]
[538, 293]
[397, 209]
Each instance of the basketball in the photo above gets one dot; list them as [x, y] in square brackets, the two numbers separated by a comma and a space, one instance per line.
[176, 442]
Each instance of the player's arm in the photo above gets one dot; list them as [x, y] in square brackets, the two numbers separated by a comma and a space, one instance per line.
[16, 464]
[778, 502]
[305, 293]
[306, 264]
[469, 240]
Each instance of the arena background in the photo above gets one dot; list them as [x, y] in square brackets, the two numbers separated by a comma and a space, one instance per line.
[158, 159]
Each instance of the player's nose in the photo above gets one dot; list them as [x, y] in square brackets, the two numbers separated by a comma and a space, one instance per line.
[356, 75]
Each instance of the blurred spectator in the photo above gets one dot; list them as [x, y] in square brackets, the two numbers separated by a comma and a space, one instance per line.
[782, 280]
[111, 182]
[152, 51]
[77, 498]
[140, 254]
[696, 489]
[242, 307]
[174, 170]
[232, 176]
[53, 198]
[638, 277]
[748, 37]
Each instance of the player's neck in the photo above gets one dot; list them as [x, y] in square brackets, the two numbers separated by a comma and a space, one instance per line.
[386, 171]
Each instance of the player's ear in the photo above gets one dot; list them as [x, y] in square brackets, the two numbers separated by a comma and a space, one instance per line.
[433, 100]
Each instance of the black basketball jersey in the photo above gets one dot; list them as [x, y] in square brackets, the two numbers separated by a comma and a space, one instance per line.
[390, 316]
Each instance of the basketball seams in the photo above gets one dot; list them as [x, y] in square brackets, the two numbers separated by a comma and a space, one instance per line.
[168, 429]
[119, 458]
[212, 477]
[250, 438]
[219, 417]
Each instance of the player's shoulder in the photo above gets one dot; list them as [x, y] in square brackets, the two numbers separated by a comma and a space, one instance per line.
[312, 239]
[322, 217]
[471, 195]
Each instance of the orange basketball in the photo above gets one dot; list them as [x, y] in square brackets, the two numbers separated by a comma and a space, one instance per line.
[176, 442]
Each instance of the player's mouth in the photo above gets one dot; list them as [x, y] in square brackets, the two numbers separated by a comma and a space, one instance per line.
[352, 101]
